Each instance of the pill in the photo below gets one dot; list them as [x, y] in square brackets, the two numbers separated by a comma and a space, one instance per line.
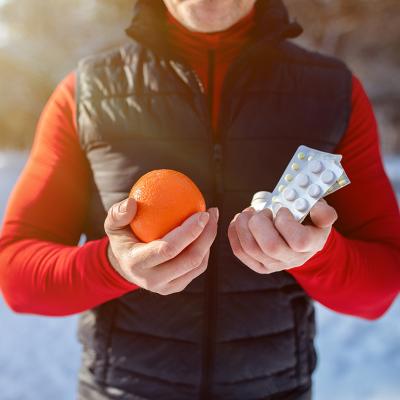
[342, 182]
[328, 177]
[314, 190]
[290, 194]
[258, 201]
[288, 178]
[301, 204]
[259, 205]
[316, 166]
[281, 188]
[295, 167]
[302, 180]
[301, 156]
[261, 195]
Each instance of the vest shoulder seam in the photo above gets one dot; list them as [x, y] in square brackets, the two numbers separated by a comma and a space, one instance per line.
[114, 57]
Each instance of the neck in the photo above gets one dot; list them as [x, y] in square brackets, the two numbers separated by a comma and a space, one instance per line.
[211, 40]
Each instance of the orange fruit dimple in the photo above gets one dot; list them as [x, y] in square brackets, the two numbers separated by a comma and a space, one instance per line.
[165, 198]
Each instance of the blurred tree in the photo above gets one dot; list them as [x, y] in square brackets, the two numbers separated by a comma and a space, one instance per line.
[366, 34]
[44, 41]
[41, 41]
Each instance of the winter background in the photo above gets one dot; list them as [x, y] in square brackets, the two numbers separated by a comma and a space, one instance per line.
[40, 41]
[39, 356]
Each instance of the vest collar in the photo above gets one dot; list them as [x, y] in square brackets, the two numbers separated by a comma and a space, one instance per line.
[149, 26]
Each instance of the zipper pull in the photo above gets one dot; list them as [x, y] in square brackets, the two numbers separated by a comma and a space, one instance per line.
[217, 152]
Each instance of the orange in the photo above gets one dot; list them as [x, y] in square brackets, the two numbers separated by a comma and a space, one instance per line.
[165, 198]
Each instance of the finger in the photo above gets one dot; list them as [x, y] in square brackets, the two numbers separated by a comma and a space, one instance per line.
[203, 243]
[170, 245]
[239, 252]
[268, 238]
[235, 217]
[178, 284]
[117, 223]
[323, 215]
[300, 238]
[192, 256]
[247, 241]
[120, 215]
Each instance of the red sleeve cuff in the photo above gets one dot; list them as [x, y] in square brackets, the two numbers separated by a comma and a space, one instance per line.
[318, 261]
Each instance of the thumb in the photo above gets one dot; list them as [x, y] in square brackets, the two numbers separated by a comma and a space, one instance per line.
[120, 215]
[323, 215]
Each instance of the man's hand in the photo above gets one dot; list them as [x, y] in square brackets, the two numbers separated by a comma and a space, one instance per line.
[268, 246]
[162, 266]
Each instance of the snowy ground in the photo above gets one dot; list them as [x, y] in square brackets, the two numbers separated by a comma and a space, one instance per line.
[39, 356]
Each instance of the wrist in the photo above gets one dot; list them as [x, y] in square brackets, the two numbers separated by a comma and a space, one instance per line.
[317, 262]
[113, 268]
[113, 261]
[327, 248]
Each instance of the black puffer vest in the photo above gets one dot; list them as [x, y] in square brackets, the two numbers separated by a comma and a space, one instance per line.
[232, 333]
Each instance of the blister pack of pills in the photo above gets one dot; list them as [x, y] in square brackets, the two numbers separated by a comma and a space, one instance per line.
[310, 175]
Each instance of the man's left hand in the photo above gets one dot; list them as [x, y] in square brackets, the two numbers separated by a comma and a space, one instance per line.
[266, 245]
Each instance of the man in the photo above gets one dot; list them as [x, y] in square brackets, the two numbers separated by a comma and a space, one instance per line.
[219, 308]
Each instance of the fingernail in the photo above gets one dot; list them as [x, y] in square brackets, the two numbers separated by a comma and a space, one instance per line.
[216, 212]
[203, 219]
[285, 212]
[123, 206]
[266, 211]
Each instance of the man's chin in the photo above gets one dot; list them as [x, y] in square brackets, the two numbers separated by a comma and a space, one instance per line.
[207, 22]
[208, 29]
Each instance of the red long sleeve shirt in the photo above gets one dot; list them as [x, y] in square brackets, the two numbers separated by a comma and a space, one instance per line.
[43, 271]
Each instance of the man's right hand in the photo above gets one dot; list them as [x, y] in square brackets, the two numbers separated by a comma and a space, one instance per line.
[166, 265]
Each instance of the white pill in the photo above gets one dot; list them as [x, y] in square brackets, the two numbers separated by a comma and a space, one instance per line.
[290, 194]
[258, 201]
[316, 166]
[314, 191]
[301, 204]
[328, 177]
[302, 180]
[259, 205]
[261, 195]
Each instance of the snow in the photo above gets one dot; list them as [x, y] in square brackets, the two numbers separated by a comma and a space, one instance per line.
[39, 356]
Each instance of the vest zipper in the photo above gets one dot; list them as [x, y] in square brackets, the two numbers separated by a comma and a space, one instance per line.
[217, 156]
[217, 147]
[210, 300]
[211, 287]
[210, 292]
